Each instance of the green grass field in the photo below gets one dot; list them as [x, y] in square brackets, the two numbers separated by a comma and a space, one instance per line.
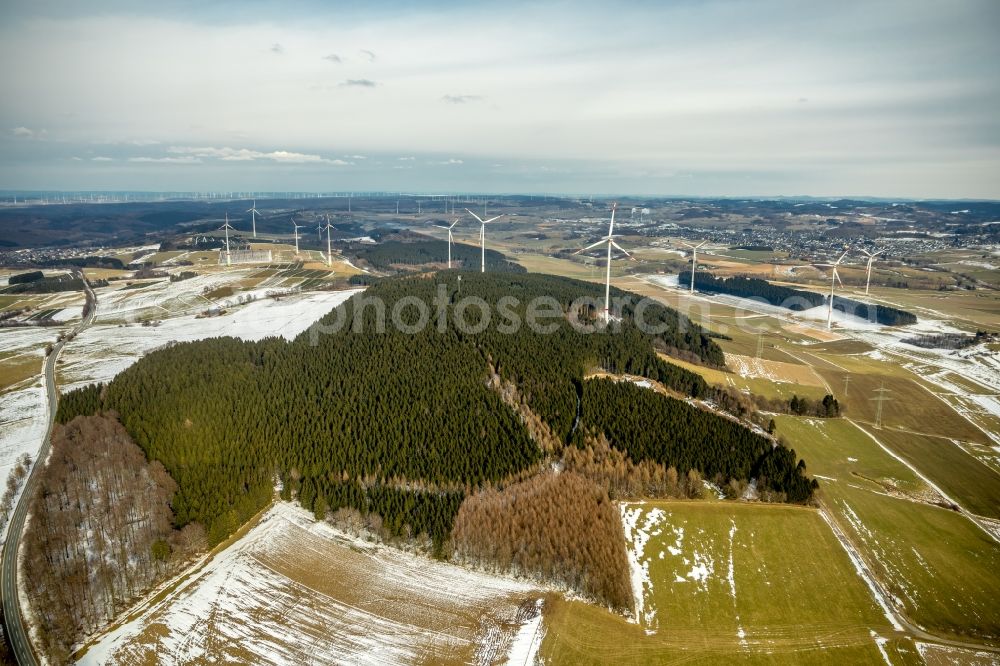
[745, 582]
[909, 405]
[968, 481]
[940, 567]
[17, 367]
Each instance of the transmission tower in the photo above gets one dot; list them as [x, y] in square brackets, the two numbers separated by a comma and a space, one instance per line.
[880, 398]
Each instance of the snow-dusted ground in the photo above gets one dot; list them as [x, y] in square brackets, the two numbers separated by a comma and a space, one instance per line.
[840, 318]
[524, 647]
[294, 591]
[162, 298]
[670, 281]
[23, 407]
[967, 379]
[102, 351]
[636, 538]
[24, 416]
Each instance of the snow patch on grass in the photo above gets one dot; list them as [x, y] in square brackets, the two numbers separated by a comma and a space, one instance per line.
[636, 539]
[524, 647]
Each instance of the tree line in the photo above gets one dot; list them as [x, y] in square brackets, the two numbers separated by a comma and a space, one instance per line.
[798, 299]
[390, 253]
[650, 426]
[50, 285]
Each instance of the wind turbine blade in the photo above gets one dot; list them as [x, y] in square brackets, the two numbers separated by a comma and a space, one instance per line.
[592, 245]
[474, 215]
[837, 275]
[492, 219]
[454, 223]
[622, 250]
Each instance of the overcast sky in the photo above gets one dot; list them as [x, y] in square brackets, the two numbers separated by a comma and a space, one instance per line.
[777, 97]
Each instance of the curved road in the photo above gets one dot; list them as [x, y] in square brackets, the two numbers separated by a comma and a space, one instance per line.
[17, 635]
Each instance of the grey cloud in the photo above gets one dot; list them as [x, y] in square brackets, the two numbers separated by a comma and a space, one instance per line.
[461, 99]
[333, 57]
[358, 83]
[187, 159]
[27, 133]
[277, 48]
[100, 158]
[370, 55]
[227, 154]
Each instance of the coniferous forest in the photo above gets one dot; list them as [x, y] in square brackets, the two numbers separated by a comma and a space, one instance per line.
[408, 424]
[413, 253]
[798, 299]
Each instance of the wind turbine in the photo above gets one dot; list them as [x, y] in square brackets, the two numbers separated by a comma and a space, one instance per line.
[451, 238]
[297, 227]
[329, 253]
[482, 235]
[871, 260]
[610, 240]
[227, 227]
[319, 231]
[694, 259]
[834, 278]
[253, 215]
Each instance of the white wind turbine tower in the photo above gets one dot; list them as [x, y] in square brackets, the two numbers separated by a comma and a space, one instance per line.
[482, 235]
[329, 253]
[871, 260]
[610, 240]
[253, 215]
[297, 227]
[834, 278]
[451, 238]
[227, 227]
[694, 259]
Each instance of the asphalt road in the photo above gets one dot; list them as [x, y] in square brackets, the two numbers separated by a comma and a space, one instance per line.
[17, 635]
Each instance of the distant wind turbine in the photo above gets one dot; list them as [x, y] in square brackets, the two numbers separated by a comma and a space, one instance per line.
[482, 235]
[834, 278]
[610, 240]
[253, 215]
[297, 227]
[329, 252]
[694, 259]
[227, 227]
[871, 260]
[451, 238]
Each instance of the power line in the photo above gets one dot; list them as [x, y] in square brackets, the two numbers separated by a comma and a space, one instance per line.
[881, 398]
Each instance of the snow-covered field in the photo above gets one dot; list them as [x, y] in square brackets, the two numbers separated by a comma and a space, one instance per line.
[840, 318]
[294, 591]
[162, 298]
[23, 407]
[24, 416]
[102, 351]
